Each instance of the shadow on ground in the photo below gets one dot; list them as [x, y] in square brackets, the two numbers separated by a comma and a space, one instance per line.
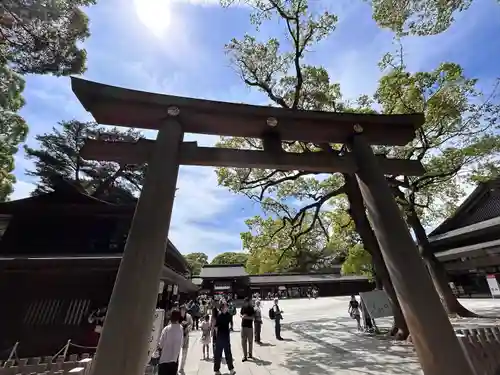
[332, 346]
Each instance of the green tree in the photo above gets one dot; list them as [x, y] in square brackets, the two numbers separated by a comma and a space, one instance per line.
[58, 157]
[460, 128]
[280, 72]
[43, 36]
[458, 141]
[12, 126]
[417, 17]
[358, 262]
[230, 258]
[196, 262]
[272, 247]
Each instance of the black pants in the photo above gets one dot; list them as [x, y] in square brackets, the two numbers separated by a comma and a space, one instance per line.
[277, 328]
[257, 329]
[231, 323]
[222, 344]
[168, 368]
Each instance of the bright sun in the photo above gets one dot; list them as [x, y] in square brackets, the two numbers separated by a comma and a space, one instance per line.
[155, 14]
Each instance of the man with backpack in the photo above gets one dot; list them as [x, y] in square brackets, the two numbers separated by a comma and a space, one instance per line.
[276, 314]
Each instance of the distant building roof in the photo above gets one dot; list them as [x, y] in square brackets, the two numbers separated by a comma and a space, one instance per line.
[223, 271]
[302, 278]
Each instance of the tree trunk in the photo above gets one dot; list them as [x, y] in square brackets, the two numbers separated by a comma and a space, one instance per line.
[436, 269]
[363, 227]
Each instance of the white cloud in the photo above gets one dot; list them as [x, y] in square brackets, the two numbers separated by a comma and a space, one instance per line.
[198, 203]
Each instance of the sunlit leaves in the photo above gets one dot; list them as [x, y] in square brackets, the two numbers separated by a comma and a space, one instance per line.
[13, 128]
[230, 257]
[196, 261]
[417, 17]
[42, 36]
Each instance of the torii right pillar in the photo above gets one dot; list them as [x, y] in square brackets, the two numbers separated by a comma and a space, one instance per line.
[435, 341]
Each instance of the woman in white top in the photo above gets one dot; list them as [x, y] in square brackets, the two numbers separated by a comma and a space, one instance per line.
[169, 345]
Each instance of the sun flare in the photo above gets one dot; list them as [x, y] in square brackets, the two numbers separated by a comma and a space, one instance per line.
[154, 14]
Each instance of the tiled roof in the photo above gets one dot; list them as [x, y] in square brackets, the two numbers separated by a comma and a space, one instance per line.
[223, 271]
[483, 194]
[302, 279]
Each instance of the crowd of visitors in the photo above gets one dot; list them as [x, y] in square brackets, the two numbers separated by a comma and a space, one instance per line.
[217, 322]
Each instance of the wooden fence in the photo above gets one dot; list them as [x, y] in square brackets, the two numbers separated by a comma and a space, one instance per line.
[482, 346]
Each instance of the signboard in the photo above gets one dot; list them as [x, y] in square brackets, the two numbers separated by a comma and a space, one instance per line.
[175, 290]
[493, 284]
[158, 319]
[161, 286]
[377, 303]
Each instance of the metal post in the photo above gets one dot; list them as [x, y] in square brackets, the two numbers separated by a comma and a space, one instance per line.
[123, 344]
[435, 341]
[12, 353]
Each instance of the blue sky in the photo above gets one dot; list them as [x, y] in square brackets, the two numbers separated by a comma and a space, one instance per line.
[176, 47]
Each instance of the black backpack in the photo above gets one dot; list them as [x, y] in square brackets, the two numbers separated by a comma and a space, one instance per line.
[271, 313]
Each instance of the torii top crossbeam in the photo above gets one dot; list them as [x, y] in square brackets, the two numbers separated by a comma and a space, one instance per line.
[111, 105]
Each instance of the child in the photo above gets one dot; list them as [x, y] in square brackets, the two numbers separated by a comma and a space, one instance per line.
[353, 311]
[169, 345]
[206, 329]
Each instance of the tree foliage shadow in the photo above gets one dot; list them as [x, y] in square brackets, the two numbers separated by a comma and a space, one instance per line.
[360, 354]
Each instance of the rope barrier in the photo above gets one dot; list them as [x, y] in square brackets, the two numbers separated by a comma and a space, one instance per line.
[82, 347]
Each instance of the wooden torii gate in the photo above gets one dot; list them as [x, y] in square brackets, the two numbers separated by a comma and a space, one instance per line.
[123, 344]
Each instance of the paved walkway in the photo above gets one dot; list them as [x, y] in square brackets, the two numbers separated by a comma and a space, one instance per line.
[320, 339]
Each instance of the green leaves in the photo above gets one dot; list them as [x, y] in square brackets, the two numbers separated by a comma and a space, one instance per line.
[417, 17]
[196, 262]
[13, 128]
[230, 258]
[59, 157]
[42, 36]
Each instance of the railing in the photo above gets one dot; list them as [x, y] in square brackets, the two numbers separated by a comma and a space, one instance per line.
[59, 364]
[482, 346]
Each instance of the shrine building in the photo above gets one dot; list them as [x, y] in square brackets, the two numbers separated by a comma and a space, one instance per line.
[59, 256]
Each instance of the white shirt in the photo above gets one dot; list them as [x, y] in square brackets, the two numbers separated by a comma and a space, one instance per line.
[170, 343]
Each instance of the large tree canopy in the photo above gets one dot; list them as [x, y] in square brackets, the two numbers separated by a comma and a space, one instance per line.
[58, 157]
[196, 262]
[42, 36]
[13, 128]
[230, 258]
[457, 141]
[417, 17]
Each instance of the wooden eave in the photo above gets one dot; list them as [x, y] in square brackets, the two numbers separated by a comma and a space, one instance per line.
[111, 105]
[471, 202]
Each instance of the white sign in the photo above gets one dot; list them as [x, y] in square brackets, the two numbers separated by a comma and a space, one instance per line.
[156, 331]
[377, 303]
[175, 290]
[493, 284]
[161, 287]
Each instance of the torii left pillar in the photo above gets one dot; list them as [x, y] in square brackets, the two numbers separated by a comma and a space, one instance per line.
[124, 341]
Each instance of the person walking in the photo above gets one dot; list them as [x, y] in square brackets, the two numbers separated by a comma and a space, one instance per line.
[257, 322]
[206, 331]
[186, 323]
[354, 312]
[247, 314]
[276, 314]
[223, 340]
[195, 313]
[169, 345]
[232, 311]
